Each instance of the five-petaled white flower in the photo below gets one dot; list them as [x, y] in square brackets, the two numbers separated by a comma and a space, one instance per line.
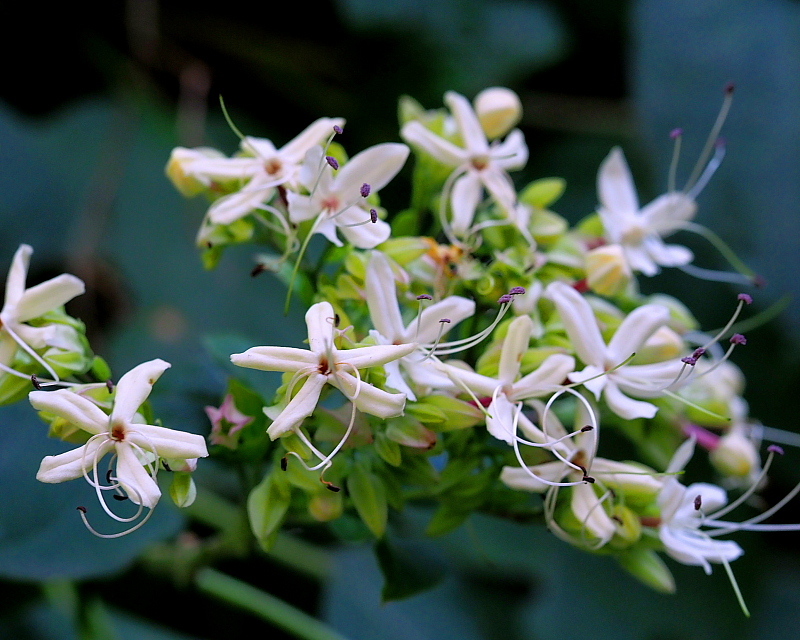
[262, 165]
[381, 295]
[639, 231]
[478, 164]
[603, 372]
[22, 305]
[324, 364]
[336, 201]
[137, 448]
[505, 391]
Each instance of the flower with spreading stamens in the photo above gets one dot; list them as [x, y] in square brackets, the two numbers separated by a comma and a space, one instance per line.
[336, 200]
[24, 304]
[323, 364]
[605, 372]
[639, 231]
[137, 448]
[384, 310]
[478, 165]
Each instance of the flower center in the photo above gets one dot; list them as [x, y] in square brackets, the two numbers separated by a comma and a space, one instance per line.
[324, 367]
[331, 204]
[273, 166]
[634, 234]
[118, 432]
[480, 162]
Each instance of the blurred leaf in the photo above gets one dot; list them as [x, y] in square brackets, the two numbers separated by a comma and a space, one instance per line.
[369, 498]
[407, 569]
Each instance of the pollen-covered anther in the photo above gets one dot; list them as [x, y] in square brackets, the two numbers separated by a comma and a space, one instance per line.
[333, 162]
[774, 448]
[698, 502]
[738, 339]
[365, 189]
[690, 360]
[337, 129]
[676, 133]
[110, 385]
[746, 298]
[505, 299]
[424, 296]
[35, 382]
[445, 320]
[516, 291]
[588, 427]
[373, 216]
[588, 479]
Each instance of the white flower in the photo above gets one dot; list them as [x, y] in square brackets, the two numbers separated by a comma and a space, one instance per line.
[324, 364]
[384, 310]
[262, 166]
[137, 448]
[639, 231]
[336, 200]
[22, 305]
[478, 164]
[505, 390]
[616, 382]
[683, 512]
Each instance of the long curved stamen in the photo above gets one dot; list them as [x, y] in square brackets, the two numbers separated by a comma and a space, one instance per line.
[593, 423]
[677, 136]
[750, 491]
[711, 141]
[444, 200]
[456, 346]
[708, 172]
[300, 256]
[743, 300]
[14, 372]
[109, 536]
[727, 253]
[29, 350]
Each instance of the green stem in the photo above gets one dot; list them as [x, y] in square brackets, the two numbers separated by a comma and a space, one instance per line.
[265, 606]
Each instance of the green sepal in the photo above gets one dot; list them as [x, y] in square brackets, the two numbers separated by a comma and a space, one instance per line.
[369, 498]
[267, 505]
[543, 192]
[648, 567]
[182, 490]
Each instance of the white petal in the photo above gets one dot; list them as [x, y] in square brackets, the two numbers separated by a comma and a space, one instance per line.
[681, 456]
[514, 347]
[624, 406]
[639, 259]
[168, 443]
[635, 329]
[579, 322]
[589, 511]
[546, 379]
[17, 274]
[134, 387]
[694, 548]
[454, 308]
[666, 213]
[135, 479]
[501, 418]
[396, 381]
[415, 133]
[500, 186]
[75, 409]
[369, 399]
[375, 166]
[518, 478]
[512, 153]
[48, 296]
[464, 200]
[667, 255]
[286, 359]
[357, 228]
[237, 205]
[365, 357]
[481, 386]
[300, 407]
[615, 185]
[72, 464]
[206, 169]
[327, 227]
[319, 320]
[301, 207]
[468, 124]
[381, 295]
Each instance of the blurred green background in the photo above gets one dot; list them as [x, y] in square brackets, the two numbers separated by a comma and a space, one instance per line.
[95, 95]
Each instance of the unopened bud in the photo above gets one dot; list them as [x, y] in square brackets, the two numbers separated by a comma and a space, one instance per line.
[499, 110]
[607, 270]
[735, 455]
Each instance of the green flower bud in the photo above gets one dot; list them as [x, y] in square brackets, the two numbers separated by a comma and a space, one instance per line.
[647, 566]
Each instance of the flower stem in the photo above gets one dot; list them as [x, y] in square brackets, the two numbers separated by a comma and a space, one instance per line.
[265, 606]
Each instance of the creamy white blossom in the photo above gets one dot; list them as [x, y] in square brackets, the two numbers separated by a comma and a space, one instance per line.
[137, 448]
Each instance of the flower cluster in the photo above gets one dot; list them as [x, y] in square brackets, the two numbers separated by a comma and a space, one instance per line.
[472, 365]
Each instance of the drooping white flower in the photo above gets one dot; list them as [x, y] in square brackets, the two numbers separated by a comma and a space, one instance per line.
[640, 231]
[478, 165]
[384, 310]
[323, 364]
[505, 391]
[137, 448]
[261, 166]
[337, 202]
[617, 382]
[24, 304]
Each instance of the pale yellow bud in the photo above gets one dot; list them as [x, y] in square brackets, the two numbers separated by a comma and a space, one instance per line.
[607, 270]
[664, 344]
[499, 110]
[179, 161]
[735, 455]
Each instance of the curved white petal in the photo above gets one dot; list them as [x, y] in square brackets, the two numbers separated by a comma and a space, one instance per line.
[48, 295]
[168, 443]
[72, 464]
[135, 479]
[512, 153]
[666, 213]
[319, 320]
[453, 308]
[357, 228]
[579, 323]
[396, 381]
[500, 186]
[17, 274]
[518, 478]
[315, 133]
[464, 200]
[624, 406]
[237, 205]
[287, 359]
[667, 255]
[590, 513]
[615, 185]
[381, 295]
[416, 134]
[365, 357]
[467, 122]
[514, 347]
[370, 399]
[75, 409]
[300, 407]
[375, 166]
[501, 418]
[635, 329]
[134, 387]
[546, 379]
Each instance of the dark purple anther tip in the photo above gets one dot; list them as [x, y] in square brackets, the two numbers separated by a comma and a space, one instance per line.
[505, 299]
[676, 133]
[588, 479]
[774, 448]
[729, 88]
[373, 216]
[698, 353]
[698, 502]
[424, 296]
[690, 360]
[365, 189]
[517, 291]
[332, 161]
[445, 320]
[743, 297]
[738, 338]
[588, 427]
[337, 129]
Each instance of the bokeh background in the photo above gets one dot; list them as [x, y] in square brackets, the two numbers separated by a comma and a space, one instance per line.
[94, 96]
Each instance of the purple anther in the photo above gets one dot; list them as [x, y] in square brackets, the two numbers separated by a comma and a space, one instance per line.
[424, 296]
[774, 448]
[35, 382]
[332, 161]
[588, 427]
[516, 291]
[81, 509]
[445, 320]
[738, 339]
[676, 133]
[698, 502]
[746, 298]
[729, 88]
[690, 360]
[338, 129]
[373, 216]
[698, 353]
[365, 189]
[588, 479]
[505, 299]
